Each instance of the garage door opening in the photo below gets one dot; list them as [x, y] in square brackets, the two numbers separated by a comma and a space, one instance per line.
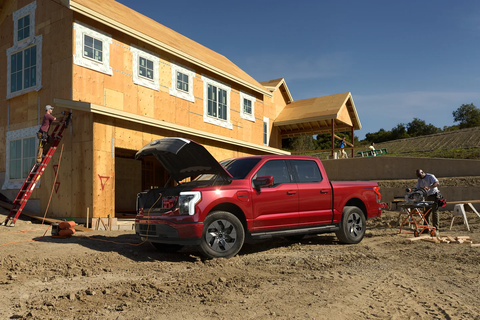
[134, 176]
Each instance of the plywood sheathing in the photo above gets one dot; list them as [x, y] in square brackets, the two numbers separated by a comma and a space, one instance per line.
[279, 85]
[313, 116]
[175, 130]
[141, 27]
[7, 8]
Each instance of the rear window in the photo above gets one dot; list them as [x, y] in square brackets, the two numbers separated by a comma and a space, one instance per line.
[239, 168]
[307, 171]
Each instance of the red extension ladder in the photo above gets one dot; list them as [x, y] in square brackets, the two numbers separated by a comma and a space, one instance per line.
[36, 172]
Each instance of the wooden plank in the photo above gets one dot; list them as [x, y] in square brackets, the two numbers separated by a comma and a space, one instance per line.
[463, 237]
[463, 202]
[419, 238]
[435, 240]
[451, 239]
[475, 245]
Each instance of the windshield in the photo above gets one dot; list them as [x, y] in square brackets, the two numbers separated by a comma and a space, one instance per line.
[238, 168]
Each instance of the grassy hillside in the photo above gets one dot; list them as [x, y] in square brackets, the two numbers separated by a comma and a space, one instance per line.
[459, 144]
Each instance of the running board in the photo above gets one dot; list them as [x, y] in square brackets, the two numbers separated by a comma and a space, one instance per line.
[292, 232]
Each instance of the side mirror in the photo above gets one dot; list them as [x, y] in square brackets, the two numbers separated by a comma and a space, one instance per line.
[261, 182]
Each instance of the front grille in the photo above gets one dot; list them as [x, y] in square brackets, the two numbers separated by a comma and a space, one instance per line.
[156, 230]
[151, 228]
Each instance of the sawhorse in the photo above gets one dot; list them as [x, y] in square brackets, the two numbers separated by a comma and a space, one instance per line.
[459, 211]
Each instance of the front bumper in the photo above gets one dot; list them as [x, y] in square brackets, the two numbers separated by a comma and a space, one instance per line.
[168, 232]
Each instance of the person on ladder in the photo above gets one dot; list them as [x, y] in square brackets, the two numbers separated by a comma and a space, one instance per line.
[42, 134]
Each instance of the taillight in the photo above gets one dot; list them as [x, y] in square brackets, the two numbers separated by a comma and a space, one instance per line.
[377, 191]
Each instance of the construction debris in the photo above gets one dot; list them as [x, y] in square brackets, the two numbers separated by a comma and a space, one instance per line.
[446, 239]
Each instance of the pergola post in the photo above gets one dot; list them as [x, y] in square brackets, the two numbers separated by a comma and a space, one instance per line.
[353, 143]
[333, 138]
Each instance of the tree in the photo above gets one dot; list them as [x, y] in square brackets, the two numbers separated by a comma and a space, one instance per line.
[399, 132]
[468, 115]
[299, 143]
[419, 128]
[380, 136]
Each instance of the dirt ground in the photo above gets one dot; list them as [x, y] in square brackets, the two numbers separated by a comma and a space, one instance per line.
[106, 276]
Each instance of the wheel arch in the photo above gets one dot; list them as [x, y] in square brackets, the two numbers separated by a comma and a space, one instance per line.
[233, 209]
[355, 202]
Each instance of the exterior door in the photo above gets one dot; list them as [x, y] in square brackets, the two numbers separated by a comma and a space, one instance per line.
[314, 192]
[275, 207]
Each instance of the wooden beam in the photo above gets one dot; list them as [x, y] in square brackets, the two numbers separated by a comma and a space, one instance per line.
[353, 143]
[348, 143]
[333, 139]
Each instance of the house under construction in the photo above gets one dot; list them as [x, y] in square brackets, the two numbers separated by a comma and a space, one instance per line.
[129, 80]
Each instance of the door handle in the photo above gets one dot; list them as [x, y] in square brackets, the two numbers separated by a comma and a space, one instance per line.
[291, 192]
[323, 192]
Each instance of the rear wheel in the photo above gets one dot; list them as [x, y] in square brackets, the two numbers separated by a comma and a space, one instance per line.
[352, 226]
[223, 235]
[166, 248]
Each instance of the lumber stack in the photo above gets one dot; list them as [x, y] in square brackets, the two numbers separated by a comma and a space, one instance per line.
[447, 239]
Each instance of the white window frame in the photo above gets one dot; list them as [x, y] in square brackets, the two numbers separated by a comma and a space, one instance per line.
[213, 120]
[20, 13]
[266, 121]
[78, 58]
[180, 93]
[26, 43]
[138, 52]
[16, 135]
[243, 114]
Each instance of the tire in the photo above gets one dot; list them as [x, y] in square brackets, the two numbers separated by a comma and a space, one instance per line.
[223, 235]
[294, 238]
[166, 247]
[352, 226]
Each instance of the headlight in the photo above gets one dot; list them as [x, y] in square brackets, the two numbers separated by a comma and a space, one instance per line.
[187, 202]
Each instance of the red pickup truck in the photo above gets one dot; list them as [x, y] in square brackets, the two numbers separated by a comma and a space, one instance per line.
[247, 198]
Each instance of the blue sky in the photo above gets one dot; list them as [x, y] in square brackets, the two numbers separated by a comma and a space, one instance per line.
[399, 59]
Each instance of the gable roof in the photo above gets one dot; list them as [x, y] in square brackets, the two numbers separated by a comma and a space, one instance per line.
[128, 21]
[315, 115]
[276, 84]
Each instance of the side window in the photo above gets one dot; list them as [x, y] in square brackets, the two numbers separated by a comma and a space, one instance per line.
[24, 59]
[247, 106]
[277, 169]
[216, 103]
[307, 171]
[145, 67]
[182, 82]
[23, 31]
[92, 48]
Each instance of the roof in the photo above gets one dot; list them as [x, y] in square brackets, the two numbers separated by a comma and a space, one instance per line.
[280, 83]
[128, 21]
[315, 115]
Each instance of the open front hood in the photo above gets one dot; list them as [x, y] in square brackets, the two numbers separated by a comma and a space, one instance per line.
[182, 158]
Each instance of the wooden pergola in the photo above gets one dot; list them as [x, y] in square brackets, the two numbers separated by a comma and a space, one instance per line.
[328, 114]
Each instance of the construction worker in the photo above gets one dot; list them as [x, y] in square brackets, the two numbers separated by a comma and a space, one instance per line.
[42, 134]
[429, 182]
[342, 152]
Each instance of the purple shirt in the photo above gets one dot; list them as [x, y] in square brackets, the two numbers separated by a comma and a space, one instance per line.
[46, 122]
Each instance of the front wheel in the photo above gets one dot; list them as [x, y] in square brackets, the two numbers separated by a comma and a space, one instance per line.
[352, 226]
[223, 235]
